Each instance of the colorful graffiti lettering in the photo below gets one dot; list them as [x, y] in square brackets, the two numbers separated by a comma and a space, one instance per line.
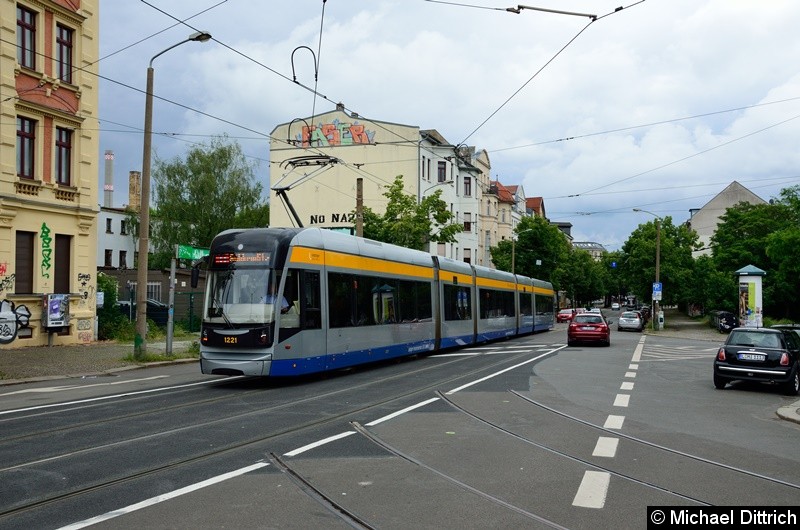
[335, 134]
[12, 319]
[47, 252]
[3, 268]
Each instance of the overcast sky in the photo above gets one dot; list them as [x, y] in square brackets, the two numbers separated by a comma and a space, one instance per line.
[658, 106]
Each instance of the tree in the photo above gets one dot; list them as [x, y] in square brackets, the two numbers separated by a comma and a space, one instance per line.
[539, 249]
[212, 189]
[675, 267]
[409, 224]
[581, 277]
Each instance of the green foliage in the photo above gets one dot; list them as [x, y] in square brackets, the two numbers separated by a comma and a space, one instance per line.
[408, 224]
[538, 251]
[212, 189]
[675, 245]
[109, 319]
[581, 277]
[766, 236]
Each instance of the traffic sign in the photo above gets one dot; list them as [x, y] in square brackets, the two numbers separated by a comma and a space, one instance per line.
[656, 287]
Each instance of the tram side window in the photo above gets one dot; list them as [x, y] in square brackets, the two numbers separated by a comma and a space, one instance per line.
[496, 303]
[525, 304]
[457, 303]
[543, 305]
[360, 300]
[414, 301]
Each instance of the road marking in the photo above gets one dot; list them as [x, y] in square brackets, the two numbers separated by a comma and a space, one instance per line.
[633, 367]
[115, 396]
[165, 497]
[632, 375]
[626, 386]
[637, 353]
[593, 490]
[614, 422]
[490, 376]
[73, 387]
[622, 400]
[606, 447]
[318, 443]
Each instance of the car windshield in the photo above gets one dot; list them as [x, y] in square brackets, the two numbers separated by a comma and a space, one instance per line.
[752, 338]
[629, 314]
[588, 318]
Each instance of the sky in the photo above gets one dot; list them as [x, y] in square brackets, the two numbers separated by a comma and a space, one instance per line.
[658, 106]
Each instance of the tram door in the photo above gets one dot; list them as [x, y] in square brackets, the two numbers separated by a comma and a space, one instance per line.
[301, 325]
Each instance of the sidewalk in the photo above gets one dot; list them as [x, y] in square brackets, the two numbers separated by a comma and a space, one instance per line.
[38, 363]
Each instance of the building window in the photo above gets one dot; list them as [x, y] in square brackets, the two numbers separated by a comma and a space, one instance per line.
[26, 37]
[63, 155]
[468, 255]
[467, 222]
[123, 258]
[26, 136]
[467, 186]
[441, 249]
[63, 264]
[109, 256]
[442, 171]
[108, 227]
[123, 227]
[429, 170]
[64, 53]
[23, 278]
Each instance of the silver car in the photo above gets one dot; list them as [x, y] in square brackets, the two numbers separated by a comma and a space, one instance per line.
[630, 320]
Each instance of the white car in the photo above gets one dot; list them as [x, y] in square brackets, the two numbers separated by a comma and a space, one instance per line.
[615, 306]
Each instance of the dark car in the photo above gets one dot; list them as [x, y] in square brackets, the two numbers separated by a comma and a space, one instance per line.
[770, 355]
[589, 327]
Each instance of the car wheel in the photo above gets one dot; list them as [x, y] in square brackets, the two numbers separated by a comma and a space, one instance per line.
[570, 343]
[719, 382]
[793, 385]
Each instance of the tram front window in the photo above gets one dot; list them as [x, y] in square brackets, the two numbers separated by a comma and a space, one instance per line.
[241, 296]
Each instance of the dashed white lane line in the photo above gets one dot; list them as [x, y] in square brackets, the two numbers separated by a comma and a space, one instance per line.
[622, 400]
[626, 386]
[631, 375]
[593, 490]
[606, 447]
[614, 422]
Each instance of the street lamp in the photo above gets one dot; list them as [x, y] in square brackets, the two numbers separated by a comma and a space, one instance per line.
[140, 343]
[656, 308]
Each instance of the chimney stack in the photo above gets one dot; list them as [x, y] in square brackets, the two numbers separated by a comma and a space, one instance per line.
[108, 185]
[134, 190]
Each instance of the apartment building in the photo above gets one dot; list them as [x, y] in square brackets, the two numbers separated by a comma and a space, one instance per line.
[48, 174]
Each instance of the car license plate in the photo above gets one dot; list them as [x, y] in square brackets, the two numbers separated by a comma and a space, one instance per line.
[751, 357]
[587, 328]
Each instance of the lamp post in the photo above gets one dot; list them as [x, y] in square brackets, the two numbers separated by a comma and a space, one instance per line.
[140, 343]
[656, 308]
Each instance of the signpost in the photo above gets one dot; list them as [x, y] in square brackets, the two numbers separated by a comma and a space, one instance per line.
[181, 252]
[657, 291]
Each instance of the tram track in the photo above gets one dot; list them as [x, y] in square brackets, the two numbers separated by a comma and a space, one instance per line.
[31, 505]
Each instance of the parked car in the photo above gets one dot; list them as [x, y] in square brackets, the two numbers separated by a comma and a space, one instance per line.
[630, 320]
[589, 327]
[615, 306]
[565, 315]
[769, 355]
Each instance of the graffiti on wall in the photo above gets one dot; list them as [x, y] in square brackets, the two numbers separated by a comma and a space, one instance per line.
[86, 290]
[12, 319]
[335, 134]
[47, 251]
[3, 268]
[7, 283]
[85, 333]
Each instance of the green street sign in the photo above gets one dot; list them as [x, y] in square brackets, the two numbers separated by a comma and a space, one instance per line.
[187, 252]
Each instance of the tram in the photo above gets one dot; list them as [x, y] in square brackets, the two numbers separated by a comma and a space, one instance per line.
[285, 302]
